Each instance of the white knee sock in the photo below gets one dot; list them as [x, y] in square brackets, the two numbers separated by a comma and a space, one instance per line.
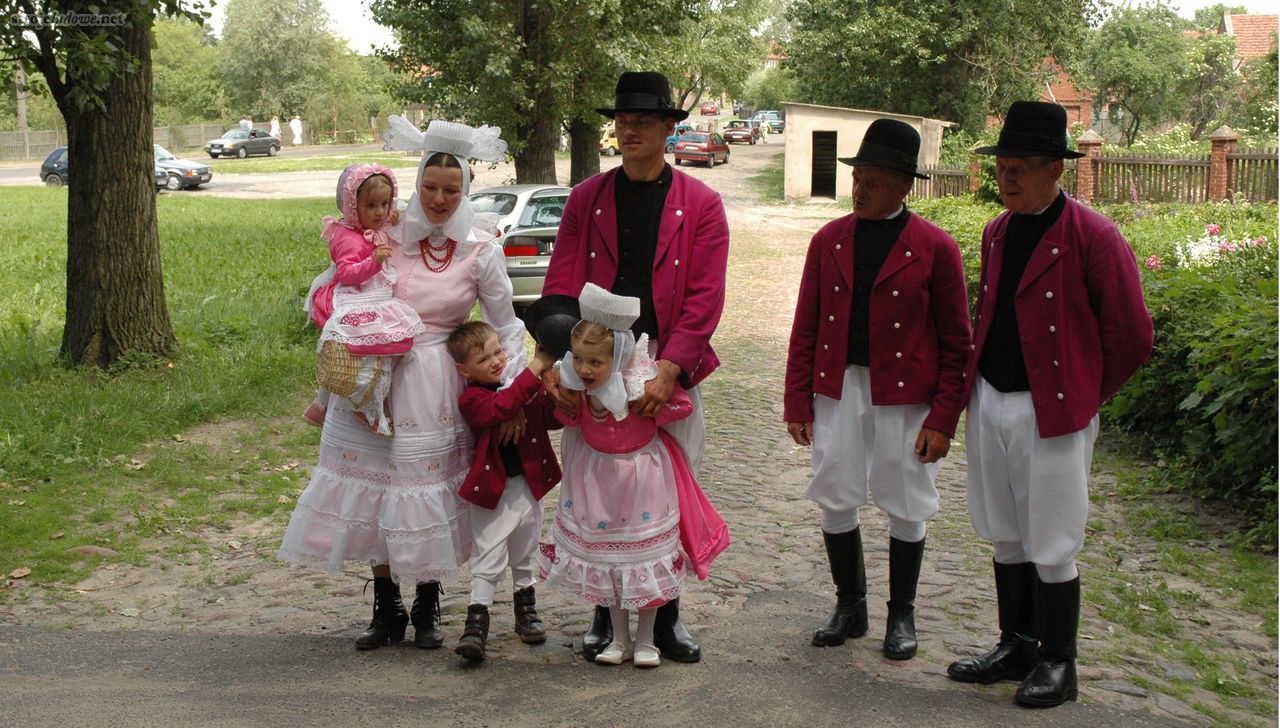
[621, 619]
[644, 626]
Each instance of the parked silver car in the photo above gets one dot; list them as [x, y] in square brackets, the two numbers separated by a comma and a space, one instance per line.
[529, 217]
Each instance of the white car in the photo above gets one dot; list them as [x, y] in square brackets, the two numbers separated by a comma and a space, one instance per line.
[529, 217]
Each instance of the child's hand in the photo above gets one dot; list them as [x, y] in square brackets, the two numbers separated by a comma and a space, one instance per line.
[381, 252]
[541, 362]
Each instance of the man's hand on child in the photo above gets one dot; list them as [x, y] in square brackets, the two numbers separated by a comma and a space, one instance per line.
[657, 390]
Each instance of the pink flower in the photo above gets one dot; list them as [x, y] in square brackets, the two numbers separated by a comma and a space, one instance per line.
[1153, 263]
[1212, 229]
[1227, 247]
[1258, 242]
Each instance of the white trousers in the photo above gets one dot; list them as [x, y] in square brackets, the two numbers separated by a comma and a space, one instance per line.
[506, 535]
[1025, 490]
[860, 448]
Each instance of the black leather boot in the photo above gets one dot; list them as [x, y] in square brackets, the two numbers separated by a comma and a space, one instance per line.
[475, 634]
[844, 552]
[598, 635]
[671, 637]
[528, 625]
[389, 619]
[1053, 681]
[425, 615]
[1015, 654]
[904, 573]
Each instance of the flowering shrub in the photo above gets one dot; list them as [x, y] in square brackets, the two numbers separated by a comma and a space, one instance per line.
[1207, 398]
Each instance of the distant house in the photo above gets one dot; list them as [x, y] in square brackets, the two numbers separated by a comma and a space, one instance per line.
[1255, 35]
[1062, 91]
[818, 135]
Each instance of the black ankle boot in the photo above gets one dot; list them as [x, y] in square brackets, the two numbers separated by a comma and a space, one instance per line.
[425, 615]
[904, 574]
[598, 635]
[1053, 681]
[1015, 654]
[671, 637]
[849, 619]
[389, 619]
[528, 625]
[474, 634]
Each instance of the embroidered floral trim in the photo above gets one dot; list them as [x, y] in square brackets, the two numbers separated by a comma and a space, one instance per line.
[359, 318]
[616, 546]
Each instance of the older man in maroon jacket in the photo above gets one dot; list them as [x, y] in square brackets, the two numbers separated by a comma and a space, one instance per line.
[1060, 326]
[875, 374]
[655, 233]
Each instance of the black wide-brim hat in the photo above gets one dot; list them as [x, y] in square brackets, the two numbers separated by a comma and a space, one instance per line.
[647, 92]
[1033, 129]
[891, 144]
[550, 320]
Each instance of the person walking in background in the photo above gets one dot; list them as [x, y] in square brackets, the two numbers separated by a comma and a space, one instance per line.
[246, 122]
[295, 126]
[1061, 325]
[275, 127]
[875, 373]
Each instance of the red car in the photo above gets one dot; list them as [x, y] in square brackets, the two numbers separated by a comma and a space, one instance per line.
[700, 146]
[710, 108]
[742, 130]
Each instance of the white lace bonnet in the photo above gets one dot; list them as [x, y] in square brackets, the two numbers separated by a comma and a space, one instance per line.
[632, 366]
[461, 141]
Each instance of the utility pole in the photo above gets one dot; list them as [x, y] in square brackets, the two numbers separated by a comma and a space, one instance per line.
[20, 78]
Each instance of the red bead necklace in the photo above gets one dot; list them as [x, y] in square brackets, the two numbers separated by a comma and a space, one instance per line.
[437, 259]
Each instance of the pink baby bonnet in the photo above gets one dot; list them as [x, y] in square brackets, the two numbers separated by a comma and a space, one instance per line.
[348, 185]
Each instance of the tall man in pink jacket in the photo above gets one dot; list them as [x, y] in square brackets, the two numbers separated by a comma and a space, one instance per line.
[655, 233]
[875, 373]
[1060, 326]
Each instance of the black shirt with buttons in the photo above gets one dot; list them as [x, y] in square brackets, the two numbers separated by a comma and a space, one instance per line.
[872, 240]
[639, 205]
[1001, 362]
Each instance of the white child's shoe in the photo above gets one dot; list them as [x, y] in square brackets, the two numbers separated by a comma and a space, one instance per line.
[615, 654]
[645, 656]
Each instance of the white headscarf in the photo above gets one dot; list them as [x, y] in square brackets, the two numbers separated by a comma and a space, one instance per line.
[463, 143]
[632, 366]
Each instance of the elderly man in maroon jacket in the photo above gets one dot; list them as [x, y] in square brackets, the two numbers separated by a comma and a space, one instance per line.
[660, 235]
[875, 373]
[1060, 326]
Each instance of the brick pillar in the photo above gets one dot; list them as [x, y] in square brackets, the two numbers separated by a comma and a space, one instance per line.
[1089, 166]
[1222, 142]
[974, 172]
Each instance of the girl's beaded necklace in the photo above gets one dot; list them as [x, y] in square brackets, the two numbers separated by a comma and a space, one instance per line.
[599, 414]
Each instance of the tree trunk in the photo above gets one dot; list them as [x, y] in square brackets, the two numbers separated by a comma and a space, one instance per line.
[584, 150]
[115, 289]
[535, 161]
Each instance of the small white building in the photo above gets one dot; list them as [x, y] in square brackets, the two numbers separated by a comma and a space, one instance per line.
[817, 136]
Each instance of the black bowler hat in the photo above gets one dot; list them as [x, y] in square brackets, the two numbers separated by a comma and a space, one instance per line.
[1033, 129]
[644, 92]
[891, 144]
[550, 320]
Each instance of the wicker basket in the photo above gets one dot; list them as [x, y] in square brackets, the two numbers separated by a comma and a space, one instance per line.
[338, 371]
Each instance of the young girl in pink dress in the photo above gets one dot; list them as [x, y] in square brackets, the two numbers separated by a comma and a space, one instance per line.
[632, 520]
[353, 303]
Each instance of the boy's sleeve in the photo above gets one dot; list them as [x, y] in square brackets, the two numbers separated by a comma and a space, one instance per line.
[482, 407]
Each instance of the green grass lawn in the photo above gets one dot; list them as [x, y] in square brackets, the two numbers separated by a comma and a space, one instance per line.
[287, 163]
[99, 458]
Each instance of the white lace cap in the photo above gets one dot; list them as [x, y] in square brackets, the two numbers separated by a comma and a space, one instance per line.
[601, 307]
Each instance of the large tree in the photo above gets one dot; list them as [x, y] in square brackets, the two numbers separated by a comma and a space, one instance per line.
[277, 55]
[718, 50]
[527, 66]
[959, 61]
[187, 86]
[99, 73]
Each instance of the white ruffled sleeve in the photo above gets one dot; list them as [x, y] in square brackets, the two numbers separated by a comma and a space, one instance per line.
[494, 289]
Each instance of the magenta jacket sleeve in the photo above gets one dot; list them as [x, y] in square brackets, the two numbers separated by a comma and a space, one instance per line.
[797, 399]
[689, 338]
[353, 256]
[1115, 295]
[949, 307]
[483, 408]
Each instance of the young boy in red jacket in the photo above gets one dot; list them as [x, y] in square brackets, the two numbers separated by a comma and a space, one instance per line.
[509, 475]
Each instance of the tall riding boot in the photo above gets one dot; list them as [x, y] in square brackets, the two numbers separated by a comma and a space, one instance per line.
[598, 635]
[425, 614]
[389, 619]
[671, 637]
[475, 634]
[1015, 654]
[844, 551]
[904, 573]
[1053, 681]
[528, 625]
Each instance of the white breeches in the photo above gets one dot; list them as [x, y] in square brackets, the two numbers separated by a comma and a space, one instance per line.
[862, 450]
[506, 535]
[1027, 494]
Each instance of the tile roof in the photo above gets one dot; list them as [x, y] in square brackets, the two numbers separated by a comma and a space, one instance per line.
[1255, 34]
